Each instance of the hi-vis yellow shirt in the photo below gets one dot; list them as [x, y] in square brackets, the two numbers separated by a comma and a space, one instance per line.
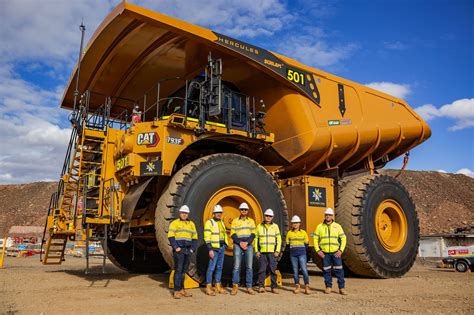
[215, 234]
[268, 238]
[182, 233]
[242, 230]
[298, 241]
[329, 238]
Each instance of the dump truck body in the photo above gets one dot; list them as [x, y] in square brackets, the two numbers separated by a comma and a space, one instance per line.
[166, 103]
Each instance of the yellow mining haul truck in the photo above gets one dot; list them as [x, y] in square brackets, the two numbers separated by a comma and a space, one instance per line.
[170, 113]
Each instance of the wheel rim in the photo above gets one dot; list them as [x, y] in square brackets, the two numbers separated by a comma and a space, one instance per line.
[461, 267]
[391, 225]
[230, 198]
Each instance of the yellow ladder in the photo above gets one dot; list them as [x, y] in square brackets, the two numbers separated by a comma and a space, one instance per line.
[54, 251]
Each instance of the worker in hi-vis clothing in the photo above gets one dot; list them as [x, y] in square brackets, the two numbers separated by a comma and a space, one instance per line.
[183, 239]
[298, 241]
[267, 247]
[242, 232]
[215, 237]
[329, 243]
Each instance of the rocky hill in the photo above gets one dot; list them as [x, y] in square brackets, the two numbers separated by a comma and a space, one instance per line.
[443, 201]
[25, 204]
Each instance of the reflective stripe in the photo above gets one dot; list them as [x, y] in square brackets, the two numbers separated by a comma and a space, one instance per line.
[327, 268]
[329, 237]
[242, 228]
[268, 238]
[184, 230]
[215, 233]
[328, 243]
[335, 237]
[183, 238]
[294, 246]
[337, 267]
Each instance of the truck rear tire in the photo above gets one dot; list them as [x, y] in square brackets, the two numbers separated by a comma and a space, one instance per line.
[144, 258]
[224, 178]
[461, 266]
[381, 225]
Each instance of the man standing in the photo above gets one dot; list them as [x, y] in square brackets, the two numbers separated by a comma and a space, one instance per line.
[242, 233]
[215, 237]
[329, 243]
[183, 239]
[268, 246]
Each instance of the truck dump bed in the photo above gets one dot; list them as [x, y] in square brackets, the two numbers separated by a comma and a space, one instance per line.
[320, 121]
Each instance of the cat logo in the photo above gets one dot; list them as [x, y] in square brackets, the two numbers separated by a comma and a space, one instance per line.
[150, 139]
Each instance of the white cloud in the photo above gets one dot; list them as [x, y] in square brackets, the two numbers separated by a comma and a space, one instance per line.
[465, 171]
[395, 89]
[42, 38]
[312, 50]
[47, 30]
[396, 45]
[441, 171]
[241, 18]
[462, 111]
[33, 143]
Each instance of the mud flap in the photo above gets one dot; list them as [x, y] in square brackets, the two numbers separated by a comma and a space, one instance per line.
[128, 206]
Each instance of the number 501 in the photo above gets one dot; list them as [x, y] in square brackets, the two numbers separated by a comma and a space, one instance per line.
[295, 76]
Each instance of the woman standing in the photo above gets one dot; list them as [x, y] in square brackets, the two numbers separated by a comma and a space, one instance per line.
[298, 241]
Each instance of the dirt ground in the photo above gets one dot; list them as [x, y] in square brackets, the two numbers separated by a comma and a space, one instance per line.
[27, 287]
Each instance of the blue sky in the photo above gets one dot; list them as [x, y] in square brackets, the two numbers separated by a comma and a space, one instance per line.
[422, 51]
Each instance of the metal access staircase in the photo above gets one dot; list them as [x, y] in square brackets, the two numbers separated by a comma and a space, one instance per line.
[77, 201]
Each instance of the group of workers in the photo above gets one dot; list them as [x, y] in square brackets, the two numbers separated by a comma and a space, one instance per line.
[264, 241]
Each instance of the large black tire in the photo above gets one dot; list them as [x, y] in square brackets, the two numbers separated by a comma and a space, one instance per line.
[196, 183]
[358, 202]
[461, 266]
[144, 258]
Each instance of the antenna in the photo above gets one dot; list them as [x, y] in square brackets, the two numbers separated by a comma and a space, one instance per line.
[76, 91]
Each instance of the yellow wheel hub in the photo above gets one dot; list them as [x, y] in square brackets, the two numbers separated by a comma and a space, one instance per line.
[391, 225]
[230, 198]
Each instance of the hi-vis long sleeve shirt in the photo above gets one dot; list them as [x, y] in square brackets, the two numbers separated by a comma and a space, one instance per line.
[329, 238]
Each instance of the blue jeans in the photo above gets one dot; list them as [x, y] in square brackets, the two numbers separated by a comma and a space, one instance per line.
[215, 264]
[181, 265]
[238, 252]
[301, 261]
[330, 261]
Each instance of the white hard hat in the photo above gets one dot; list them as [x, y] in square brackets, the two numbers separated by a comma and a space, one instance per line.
[217, 209]
[295, 219]
[269, 212]
[329, 211]
[184, 209]
[244, 205]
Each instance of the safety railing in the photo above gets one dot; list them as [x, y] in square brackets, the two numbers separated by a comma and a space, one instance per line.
[238, 111]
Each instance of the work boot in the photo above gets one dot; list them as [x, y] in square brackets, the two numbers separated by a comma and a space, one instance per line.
[307, 290]
[261, 290]
[327, 291]
[177, 295]
[209, 290]
[235, 289]
[219, 289]
[275, 291]
[250, 291]
[342, 291]
[186, 293]
[297, 289]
